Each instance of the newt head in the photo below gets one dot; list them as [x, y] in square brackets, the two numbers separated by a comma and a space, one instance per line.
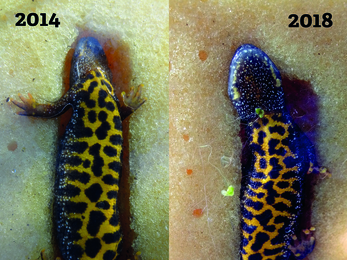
[89, 55]
[254, 83]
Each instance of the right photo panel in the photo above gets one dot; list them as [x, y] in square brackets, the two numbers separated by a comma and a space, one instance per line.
[257, 130]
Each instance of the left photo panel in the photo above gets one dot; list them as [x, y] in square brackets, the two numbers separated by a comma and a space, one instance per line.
[85, 127]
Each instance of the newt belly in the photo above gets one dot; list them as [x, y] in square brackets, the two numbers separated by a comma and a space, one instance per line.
[89, 157]
[280, 156]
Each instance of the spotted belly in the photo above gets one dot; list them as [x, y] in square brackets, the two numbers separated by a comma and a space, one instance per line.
[276, 158]
[271, 193]
[88, 172]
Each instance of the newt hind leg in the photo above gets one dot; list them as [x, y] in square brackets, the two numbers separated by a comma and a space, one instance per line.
[303, 245]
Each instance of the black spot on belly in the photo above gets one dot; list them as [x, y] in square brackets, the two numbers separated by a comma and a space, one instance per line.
[94, 192]
[98, 75]
[110, 106]
[251, 193]
[265, 121]
[90, 76]
[270, 252]
[82, 177]
[92, 116]
[255, 184]
[260, 239]
[272, 148]
[93, 246]
[101, 131]
[114, 220]
[271, 193]
[260, 195]
[281, 207]
[261, 136]
[110, 151]
[103, 205]
[244, 242]
[292, 197]
[257, 148]
[264, 217]
[98, 161]
[112, 194]
[280, 219]
[75, 207]
[262, 163]
[75, 225]
[247, 214]
[256, 256]
[256, 125]
[116, 139]
[288, 175]
[90, 103]
[277, 129]
[86, 163]
[73, 160]
[76, 251]
[109, 238]
[91, 87]
[116, 166]
[96, 218]
[258, 175]
[109, 179]
[80, 112]
[79, 147]
[72, 191]
[290, 162]
[257, 205]
[109, 255]
[283, 184]
[101, 99]
[275, 172]
[279, 239]
[81, 131]
[249, 229]
[117, 122]
[102, 116]
[83, 95]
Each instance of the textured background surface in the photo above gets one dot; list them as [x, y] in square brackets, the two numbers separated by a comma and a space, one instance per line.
[39, 52]
[204, 126]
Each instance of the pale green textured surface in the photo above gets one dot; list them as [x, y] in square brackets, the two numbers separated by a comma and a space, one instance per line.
[39, 52]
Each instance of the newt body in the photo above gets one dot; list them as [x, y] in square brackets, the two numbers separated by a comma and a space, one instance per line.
[89, 156]
[280, 156]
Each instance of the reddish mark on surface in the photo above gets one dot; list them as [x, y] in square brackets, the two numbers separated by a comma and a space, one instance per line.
[203, 55]
[189, 171]
[197, 213]
[186, 137]
[12, 146]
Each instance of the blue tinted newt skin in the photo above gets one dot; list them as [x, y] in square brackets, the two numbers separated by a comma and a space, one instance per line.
[89, 156]
[279, 159]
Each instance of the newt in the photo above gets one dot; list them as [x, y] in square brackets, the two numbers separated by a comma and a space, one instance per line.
[280, 157]
[89, 156]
